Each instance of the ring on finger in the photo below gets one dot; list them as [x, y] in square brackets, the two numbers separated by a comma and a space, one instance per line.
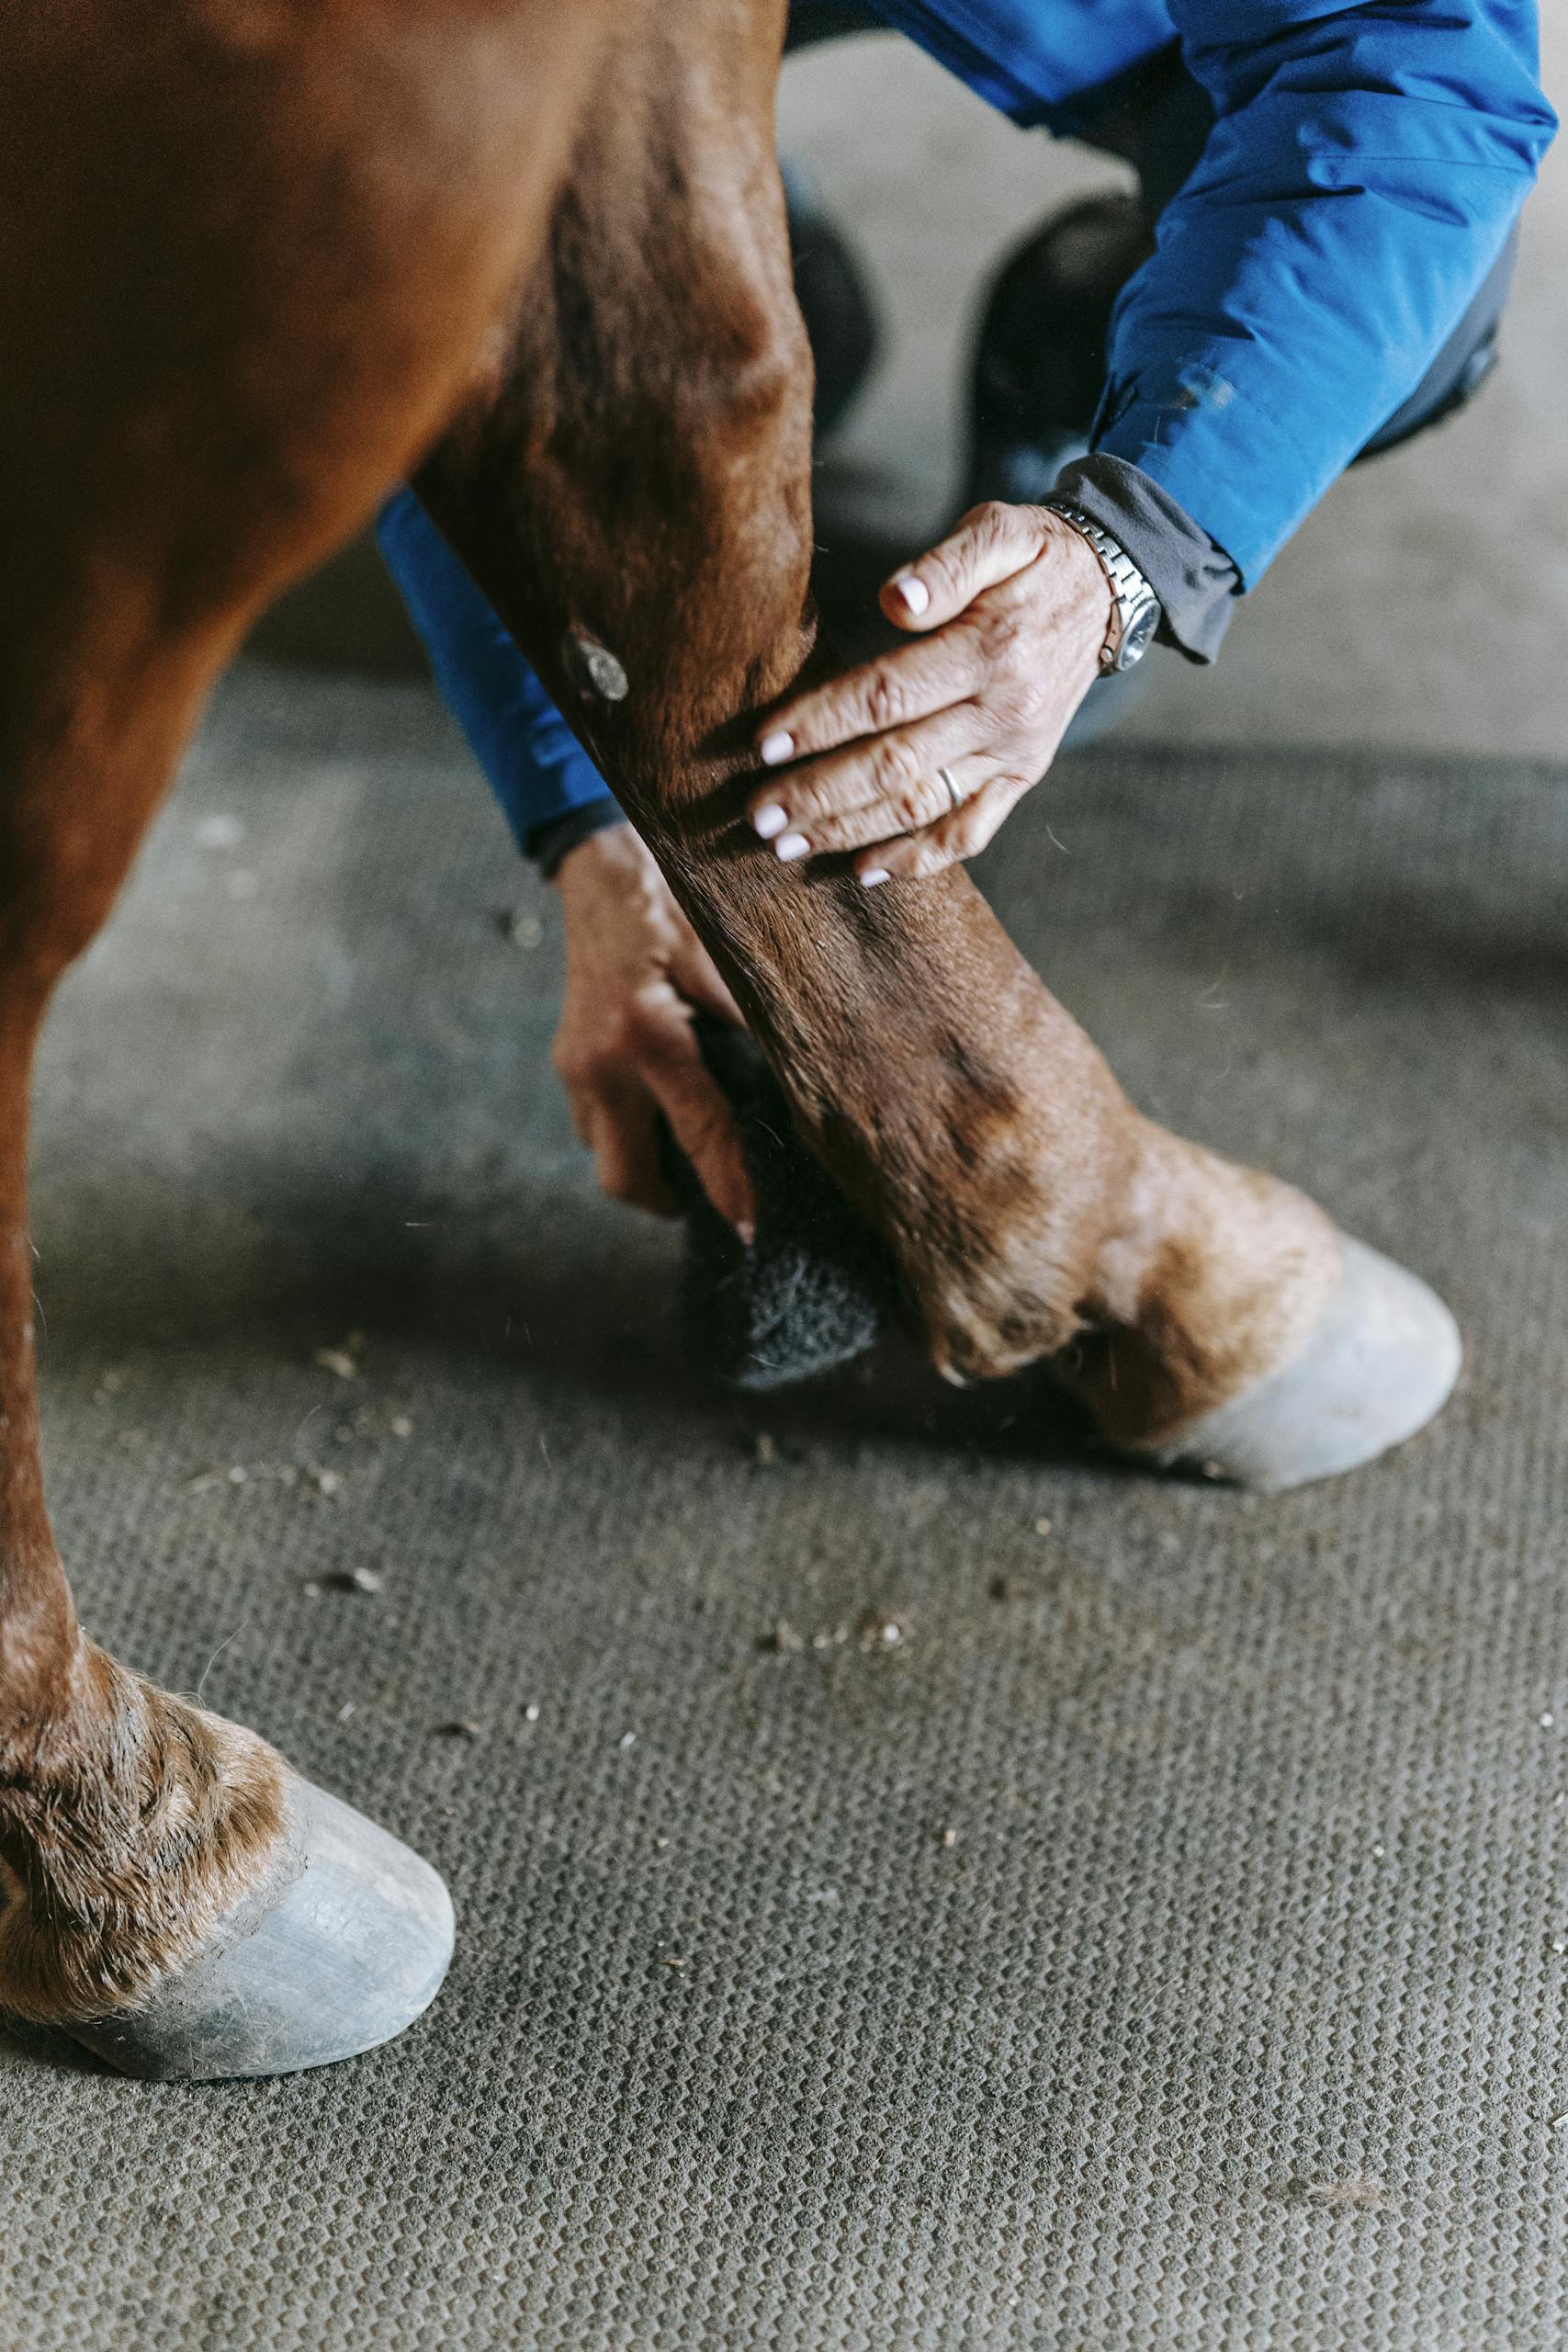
[945, 777]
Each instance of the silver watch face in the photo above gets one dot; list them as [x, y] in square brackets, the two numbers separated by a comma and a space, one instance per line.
[1138, 636]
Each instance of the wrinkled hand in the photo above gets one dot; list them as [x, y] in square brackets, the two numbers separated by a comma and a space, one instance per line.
[1010, 614]
[626, 1048]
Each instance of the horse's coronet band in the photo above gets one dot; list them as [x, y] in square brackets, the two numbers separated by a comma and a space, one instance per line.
[1380, 1363]
[340, 1949]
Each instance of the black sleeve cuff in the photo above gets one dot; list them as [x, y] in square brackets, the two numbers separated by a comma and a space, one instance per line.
[1197, 583]
[548, 842]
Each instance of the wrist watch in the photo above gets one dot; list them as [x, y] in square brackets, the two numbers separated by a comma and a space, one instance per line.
[1136, 610]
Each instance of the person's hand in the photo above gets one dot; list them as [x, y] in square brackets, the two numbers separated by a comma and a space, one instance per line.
[636, 972]
[1010, 615]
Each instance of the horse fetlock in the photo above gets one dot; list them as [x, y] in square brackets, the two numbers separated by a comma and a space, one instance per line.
[131, 1823]
[1214, 1278]
[1159, 1298]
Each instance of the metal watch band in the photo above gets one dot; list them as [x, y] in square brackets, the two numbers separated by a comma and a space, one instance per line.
[1135, 609]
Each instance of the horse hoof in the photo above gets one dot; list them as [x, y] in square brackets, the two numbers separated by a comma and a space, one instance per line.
[1381, 1363]
[344, 1946]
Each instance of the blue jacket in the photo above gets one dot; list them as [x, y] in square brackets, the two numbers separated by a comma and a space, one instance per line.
[1365, 167]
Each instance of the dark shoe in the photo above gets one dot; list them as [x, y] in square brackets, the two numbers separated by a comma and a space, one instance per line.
[1040, 355]
[1038, 369]
[835, 302]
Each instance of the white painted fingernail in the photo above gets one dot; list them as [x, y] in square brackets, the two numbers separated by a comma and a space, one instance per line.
[913, 591]
[770, 821]
[792, 847]
[776, 748]
[873, 876]
[747, 1232]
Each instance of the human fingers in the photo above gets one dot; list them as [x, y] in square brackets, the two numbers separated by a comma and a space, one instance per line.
[908, 684]
[985, 547]
[963, 833]
[703, 1122]
[619, 1127]
[884, 785]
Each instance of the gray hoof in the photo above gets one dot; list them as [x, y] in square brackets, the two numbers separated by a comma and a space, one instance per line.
[1382, 1361]
[341, 1949]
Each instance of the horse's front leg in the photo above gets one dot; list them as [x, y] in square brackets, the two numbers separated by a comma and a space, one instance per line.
[168, 1888]
[249, 261]
[635, 498]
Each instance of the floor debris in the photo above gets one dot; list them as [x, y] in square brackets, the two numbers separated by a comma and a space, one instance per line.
[344, 1359]
[206, 1479]
[354, 1580]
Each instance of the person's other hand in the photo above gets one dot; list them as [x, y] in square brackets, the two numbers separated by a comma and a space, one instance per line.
[625, 1049]
[1010, 616]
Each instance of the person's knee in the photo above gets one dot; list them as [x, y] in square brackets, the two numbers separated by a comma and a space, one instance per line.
[1466, 360]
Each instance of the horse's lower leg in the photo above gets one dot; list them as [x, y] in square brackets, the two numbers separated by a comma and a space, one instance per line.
[129, 1821]
[640, 486]
[168, 1887]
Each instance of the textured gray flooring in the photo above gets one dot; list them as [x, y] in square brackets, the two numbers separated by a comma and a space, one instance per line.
[1232, 2014]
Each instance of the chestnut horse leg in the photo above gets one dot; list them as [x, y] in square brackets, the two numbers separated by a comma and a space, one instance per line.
[636, 501]
[250, 257]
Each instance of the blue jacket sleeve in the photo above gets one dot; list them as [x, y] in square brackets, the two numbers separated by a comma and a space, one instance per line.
[1365, 167]
[536, 768]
